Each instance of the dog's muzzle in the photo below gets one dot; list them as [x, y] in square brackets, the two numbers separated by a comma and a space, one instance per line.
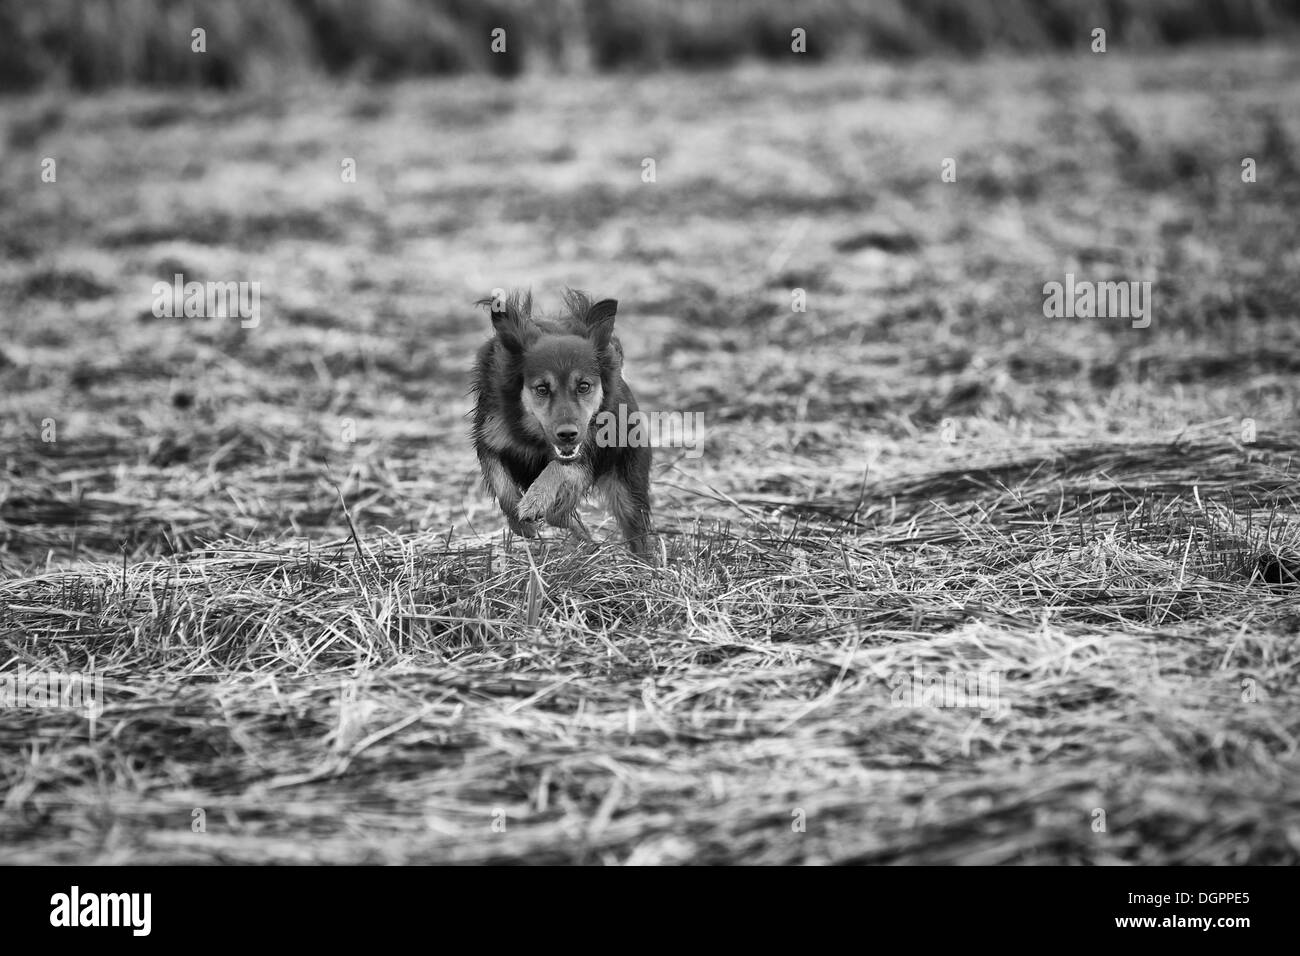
[568, 439]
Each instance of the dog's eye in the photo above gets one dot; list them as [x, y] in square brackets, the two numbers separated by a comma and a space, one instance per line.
[542, 390]
[584, 388]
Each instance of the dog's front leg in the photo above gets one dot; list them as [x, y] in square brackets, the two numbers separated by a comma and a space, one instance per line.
[627, 492]
[555, 495]
[507, 494]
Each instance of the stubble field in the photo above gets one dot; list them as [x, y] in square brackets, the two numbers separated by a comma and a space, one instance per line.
[919, 477]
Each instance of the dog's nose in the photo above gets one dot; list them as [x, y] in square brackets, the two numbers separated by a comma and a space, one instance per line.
[567, 433]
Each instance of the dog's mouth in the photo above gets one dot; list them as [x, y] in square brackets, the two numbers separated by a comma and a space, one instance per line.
[566, 454]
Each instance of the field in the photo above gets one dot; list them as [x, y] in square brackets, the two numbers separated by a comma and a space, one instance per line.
[317, 644]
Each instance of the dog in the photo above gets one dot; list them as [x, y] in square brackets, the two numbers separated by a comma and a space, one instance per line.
[540, 389]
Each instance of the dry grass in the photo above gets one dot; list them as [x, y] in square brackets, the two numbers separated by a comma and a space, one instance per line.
[1097, 534]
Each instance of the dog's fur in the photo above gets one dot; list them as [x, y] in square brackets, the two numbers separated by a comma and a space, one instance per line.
[539, 386]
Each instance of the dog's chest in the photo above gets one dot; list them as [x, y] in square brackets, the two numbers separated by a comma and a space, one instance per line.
[522, 466]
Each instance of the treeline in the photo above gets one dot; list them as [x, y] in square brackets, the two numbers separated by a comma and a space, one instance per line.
[91, 44]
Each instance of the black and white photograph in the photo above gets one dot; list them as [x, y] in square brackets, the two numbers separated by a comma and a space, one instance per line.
[650, 433]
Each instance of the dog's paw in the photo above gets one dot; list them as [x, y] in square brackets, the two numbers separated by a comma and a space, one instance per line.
[525, 529]
[532, 508]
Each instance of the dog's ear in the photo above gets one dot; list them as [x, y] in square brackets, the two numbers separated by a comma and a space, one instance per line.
[600, 321]
[510, 329]
[511, 319]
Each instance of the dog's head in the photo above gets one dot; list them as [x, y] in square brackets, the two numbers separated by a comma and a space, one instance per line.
[561, 373]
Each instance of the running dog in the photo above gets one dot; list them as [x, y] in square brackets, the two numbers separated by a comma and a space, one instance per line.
[540, 387]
